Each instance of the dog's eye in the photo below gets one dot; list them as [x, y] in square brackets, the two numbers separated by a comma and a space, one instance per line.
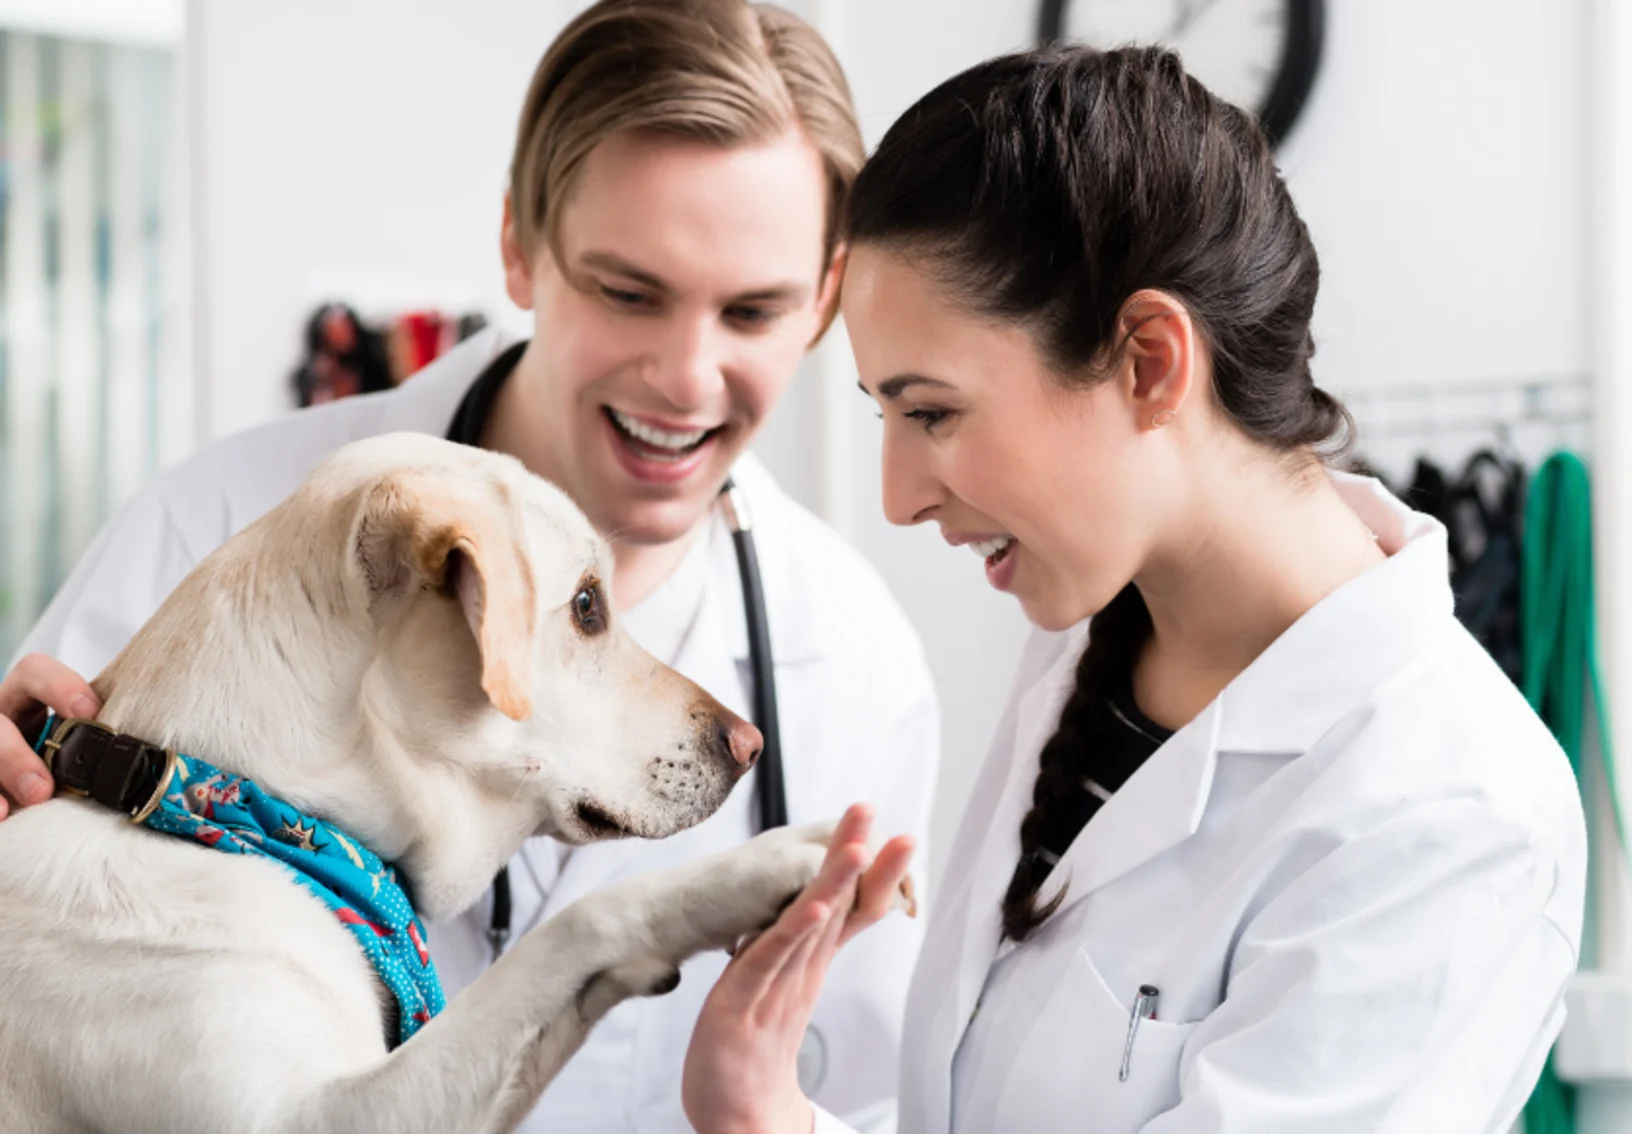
[586, 610]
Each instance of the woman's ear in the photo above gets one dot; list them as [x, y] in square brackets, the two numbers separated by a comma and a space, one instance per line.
[1159, 355]
[518, 266]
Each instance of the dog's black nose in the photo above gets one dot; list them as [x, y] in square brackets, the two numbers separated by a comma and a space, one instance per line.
[742, 740]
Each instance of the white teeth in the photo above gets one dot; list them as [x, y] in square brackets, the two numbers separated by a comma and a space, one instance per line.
[990, 547]
[675, 442]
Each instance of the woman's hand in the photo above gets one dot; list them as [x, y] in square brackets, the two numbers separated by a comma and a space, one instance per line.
[25, 692]
[740, 1075]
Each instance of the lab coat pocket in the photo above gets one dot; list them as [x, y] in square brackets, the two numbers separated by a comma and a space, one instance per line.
[1066, 1074]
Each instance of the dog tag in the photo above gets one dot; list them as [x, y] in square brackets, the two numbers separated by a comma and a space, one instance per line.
[812, 1061]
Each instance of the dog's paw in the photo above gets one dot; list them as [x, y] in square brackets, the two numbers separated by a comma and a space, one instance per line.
[752, 884]
[806, 847]
[717, 902]
[643, 976]
[781, 862]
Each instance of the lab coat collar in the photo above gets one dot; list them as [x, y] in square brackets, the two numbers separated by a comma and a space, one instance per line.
[1325, 663]
[1350, 641]
[974, 934]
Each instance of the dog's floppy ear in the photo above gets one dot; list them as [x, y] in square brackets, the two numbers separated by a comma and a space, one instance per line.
[465, 539]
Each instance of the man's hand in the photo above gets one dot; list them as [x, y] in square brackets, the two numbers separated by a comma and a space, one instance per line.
[26, 693]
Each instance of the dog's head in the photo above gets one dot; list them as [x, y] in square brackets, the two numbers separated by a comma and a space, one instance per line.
[498, 657]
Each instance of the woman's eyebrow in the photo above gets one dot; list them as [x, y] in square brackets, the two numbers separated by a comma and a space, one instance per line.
[892, 388]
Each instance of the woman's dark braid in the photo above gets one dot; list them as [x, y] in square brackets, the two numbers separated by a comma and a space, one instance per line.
[1115, 639]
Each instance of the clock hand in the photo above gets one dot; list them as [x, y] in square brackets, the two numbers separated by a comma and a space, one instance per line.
[1189, 12]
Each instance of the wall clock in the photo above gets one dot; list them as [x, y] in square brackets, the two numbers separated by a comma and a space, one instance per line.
[1261, 55]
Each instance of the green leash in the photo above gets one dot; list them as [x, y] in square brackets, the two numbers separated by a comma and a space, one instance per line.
[1560, 670]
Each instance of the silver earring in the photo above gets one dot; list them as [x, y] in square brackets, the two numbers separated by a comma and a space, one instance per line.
[1162, 417]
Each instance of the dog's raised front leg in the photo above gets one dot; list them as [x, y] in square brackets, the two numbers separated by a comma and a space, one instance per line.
[483, 1062]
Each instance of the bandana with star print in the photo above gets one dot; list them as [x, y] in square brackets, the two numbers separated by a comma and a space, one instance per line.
[232, 814]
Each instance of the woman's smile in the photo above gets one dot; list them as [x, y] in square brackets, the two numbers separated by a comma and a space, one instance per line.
[997, 551]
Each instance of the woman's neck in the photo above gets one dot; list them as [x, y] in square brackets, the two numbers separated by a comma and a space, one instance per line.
[1262, 548]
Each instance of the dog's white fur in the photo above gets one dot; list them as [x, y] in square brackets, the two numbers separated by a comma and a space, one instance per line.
[395, 649]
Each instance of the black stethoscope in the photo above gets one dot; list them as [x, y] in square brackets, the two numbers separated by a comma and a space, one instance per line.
[770, 790]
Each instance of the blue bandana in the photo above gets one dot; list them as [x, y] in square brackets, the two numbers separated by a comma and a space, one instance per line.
[233, 814]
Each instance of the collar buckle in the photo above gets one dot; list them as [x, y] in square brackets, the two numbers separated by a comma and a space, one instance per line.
[53, 743]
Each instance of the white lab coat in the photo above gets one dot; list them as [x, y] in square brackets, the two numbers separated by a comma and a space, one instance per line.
[859, 721]
[1356, 880]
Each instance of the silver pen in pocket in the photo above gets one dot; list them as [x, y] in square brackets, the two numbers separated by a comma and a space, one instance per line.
[1144, 1008]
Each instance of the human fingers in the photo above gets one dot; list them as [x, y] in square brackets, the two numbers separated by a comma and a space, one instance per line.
[854, 826]
[23, 776]
[33, 684]
[883, 886]
[38, 680]
[762, 963]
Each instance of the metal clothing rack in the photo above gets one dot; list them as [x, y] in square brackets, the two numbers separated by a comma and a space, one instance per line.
[1526, 416]
[1472, 405]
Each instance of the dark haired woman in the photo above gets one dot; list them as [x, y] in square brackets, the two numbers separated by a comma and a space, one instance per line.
[1276, 846]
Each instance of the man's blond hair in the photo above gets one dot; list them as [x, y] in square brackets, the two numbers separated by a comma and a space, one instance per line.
[725, 72]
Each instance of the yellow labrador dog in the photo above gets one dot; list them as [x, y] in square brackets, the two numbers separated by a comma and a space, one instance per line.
[417, 648]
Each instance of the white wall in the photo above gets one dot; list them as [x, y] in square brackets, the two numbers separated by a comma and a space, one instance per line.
[354, 150]
[1442, 168]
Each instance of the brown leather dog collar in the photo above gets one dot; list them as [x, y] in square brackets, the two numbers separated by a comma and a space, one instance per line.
[117, 770]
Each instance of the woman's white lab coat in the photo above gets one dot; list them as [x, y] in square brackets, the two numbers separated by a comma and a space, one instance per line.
[1356, 880]
[858, 719]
